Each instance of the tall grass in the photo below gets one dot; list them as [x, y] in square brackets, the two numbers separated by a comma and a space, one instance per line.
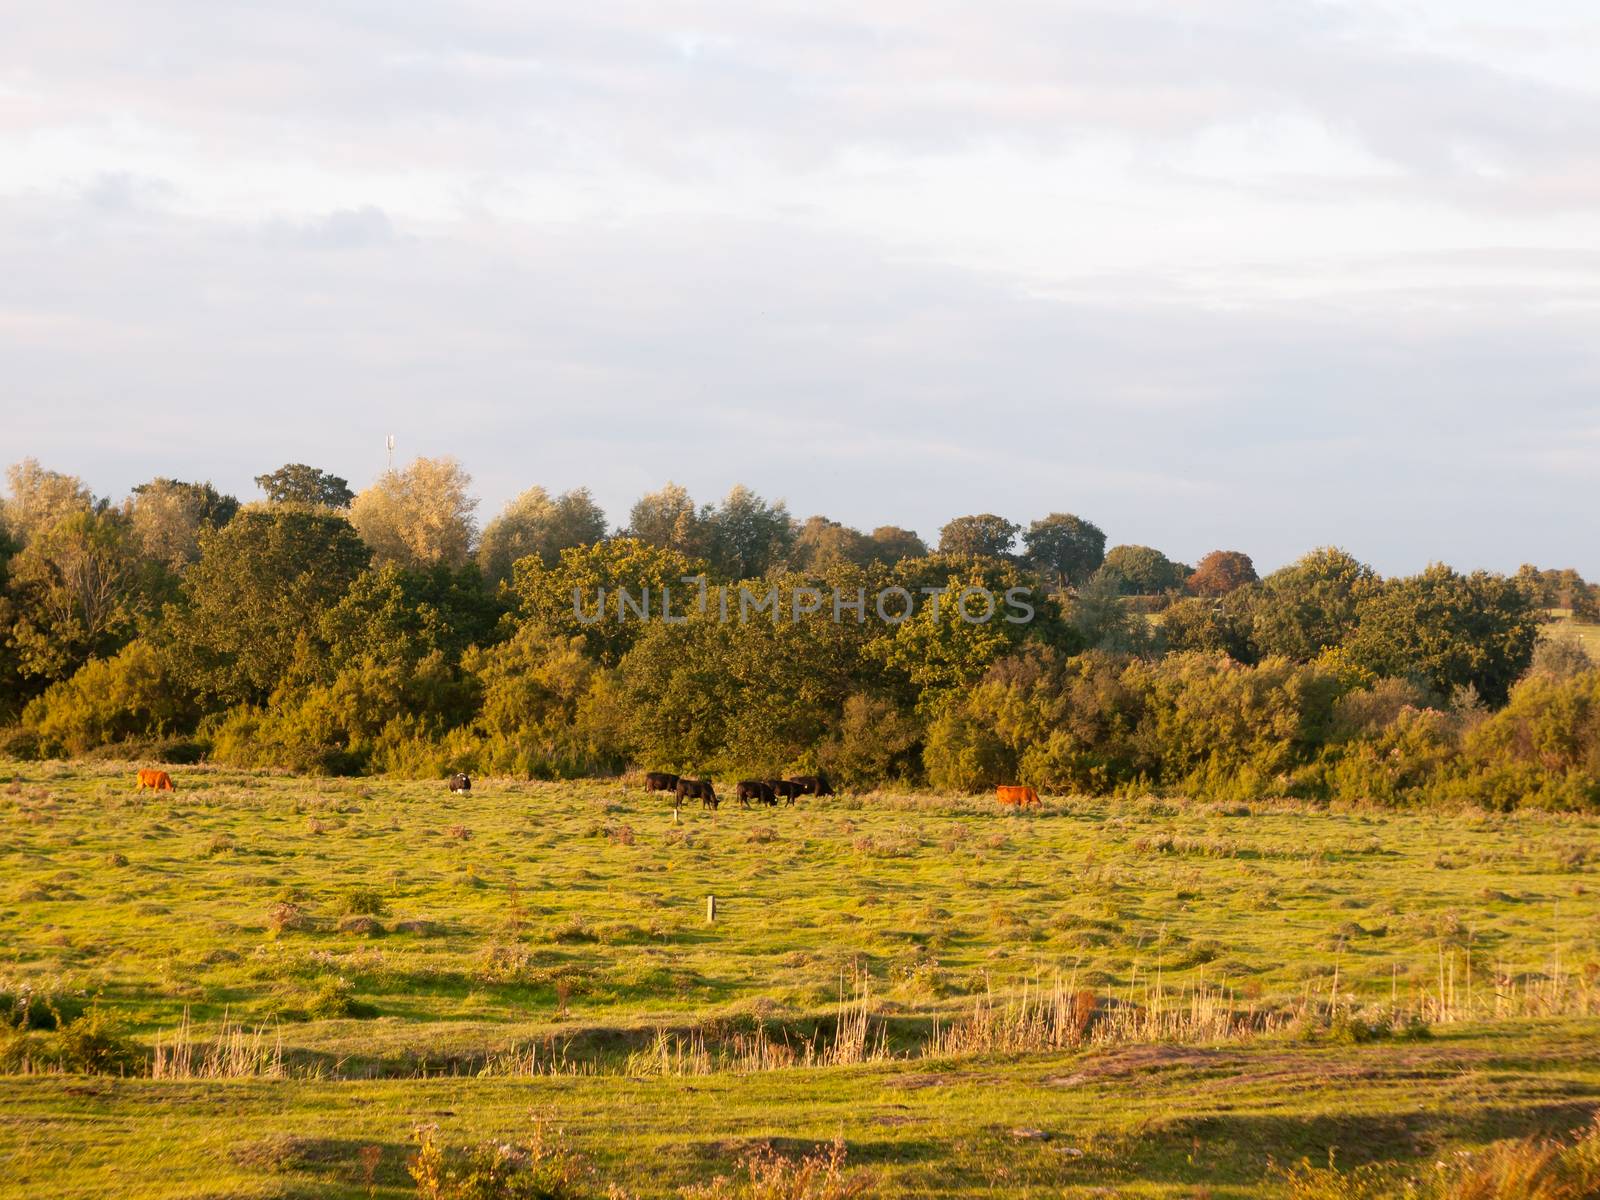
[233, 1053]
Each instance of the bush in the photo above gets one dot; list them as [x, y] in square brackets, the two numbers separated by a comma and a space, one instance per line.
[19, 743]
[94, 1045]
[130, 695]
[361, 901]
[539, 1169]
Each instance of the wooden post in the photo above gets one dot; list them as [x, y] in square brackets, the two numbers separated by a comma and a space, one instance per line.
[711, 909]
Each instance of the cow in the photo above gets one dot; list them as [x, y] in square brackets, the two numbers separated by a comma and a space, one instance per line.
[812, 785]
[160, 780]
[460, 782]
[696, 789]
[1016, 794]
[755, 789]
[660, 781]
[782, 787]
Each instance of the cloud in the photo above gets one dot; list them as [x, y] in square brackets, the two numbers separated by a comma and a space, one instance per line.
[1248, 273]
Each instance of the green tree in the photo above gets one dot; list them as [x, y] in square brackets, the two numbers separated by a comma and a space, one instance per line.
[1310, 606]
[758, 693]
[891, 544]
[1141, 571]
[297, 483]
[1065, 548]
[257, 592]
[1448, 630]
[538, 523]
[1221, 572]
[747, 536]
[984, 535]
[398, 616]
[1212, 624]
[1105, 620]
[669, 519]
[581, 595]
[821, 543]
[75, 593]
[167, 516]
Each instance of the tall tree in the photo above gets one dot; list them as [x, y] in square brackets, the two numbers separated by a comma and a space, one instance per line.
[420, 516]
[75, 593]
[258, 591]
[891, 544]
[982, 536]
[1448, 630]
[39, 498]
[1310, 605]
[538, 523]
[168, 515]
[747, 535]
[1066, 548]
[297, 483]
[566, 599]
[821, 543]
[1141, 571]
[669, 519]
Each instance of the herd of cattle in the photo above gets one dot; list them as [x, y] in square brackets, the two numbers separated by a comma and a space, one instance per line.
[762, 791]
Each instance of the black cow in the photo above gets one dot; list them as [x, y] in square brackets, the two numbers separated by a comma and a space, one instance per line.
[697, 789]
[660, 781]
[460, 782]
[755, 789]
[812, 785]
[782, 787]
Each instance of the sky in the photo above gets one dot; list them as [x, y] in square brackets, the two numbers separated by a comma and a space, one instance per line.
[1252, 274]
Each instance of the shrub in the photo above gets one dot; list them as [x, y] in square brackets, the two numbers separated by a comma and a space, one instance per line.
[335, 997]
[94, 1045]
[539, 1169]
[361, 901]
[768, 1175]
[132, 694]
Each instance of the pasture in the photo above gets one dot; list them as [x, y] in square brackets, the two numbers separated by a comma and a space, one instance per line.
[1117, 997]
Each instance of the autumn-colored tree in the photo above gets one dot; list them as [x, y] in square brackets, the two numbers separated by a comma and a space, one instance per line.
[421, 516]
[1221, 572]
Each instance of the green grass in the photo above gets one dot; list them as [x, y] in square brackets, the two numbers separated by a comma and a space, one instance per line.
[568, 920]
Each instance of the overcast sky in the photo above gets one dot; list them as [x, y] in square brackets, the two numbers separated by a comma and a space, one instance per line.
[1256, 274]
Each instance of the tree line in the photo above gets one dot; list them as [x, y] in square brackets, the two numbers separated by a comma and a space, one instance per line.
[324, 630]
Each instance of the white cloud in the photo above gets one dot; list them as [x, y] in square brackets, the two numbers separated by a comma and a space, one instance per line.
[1249, 272]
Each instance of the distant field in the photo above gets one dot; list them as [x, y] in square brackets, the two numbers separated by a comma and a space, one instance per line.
[1588, 635]
[1232, 965]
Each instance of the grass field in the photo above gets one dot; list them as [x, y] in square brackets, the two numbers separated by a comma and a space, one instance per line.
[1099, 997]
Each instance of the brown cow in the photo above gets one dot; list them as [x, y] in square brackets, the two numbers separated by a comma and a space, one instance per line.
[1019, 795]
[160, 780]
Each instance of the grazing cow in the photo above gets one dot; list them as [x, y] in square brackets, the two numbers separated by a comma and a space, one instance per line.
[160, 780]
[1016, 794]
[460, 782]
[697, 789]
[660, 781]
[755, 789]
[782, 787]
[812, 785]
